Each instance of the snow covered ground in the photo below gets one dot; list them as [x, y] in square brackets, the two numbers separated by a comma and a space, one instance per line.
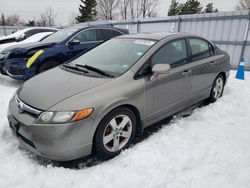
[210, 148]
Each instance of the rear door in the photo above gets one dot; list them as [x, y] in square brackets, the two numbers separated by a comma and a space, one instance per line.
[203, 62]
[83, 40]
[170, 92]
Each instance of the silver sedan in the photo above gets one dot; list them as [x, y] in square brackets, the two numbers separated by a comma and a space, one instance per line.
[99, 101]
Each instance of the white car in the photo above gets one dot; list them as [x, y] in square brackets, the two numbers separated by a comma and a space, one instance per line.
[24, 34]
[34, 38]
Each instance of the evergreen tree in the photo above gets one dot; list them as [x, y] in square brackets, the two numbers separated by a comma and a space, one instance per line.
[191, 7]
[3, 20]
[87, 11]
[210, 8]
[174, 8]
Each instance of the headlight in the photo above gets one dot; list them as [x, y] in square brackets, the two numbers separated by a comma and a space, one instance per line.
[4, 56]
[63, 117]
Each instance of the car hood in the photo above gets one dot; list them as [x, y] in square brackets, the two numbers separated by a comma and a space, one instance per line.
[28, 46]
[53, 86]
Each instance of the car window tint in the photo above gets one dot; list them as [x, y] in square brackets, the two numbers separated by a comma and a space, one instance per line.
[200, 49]
[106, 34]
[173, 53]
[86, 36]
[28, 34]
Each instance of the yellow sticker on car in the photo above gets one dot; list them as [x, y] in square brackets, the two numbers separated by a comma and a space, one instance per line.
[33, 58]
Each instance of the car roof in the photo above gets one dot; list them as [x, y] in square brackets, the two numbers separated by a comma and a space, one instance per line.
[154, 36]
[80, 27]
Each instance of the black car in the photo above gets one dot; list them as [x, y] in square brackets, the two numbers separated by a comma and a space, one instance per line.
[23, 61]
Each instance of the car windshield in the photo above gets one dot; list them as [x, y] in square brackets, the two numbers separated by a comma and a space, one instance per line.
[115, 56]
[60, 35]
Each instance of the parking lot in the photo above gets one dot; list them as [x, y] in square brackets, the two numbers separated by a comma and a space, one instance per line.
[210, 148]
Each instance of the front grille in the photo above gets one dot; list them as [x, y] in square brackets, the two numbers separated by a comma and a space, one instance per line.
[26, 108]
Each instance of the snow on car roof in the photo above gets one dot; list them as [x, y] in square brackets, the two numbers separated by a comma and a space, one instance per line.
[37, 37]
[34, 38]
[21, 32]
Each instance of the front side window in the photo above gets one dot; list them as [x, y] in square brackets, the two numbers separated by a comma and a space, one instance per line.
[85, 36]
[115, 56]
[200, 49]
[173, 53]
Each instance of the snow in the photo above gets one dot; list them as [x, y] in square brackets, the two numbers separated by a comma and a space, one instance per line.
[34, 38]
[209, 149]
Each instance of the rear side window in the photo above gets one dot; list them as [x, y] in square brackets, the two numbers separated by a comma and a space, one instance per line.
[106, 34]
[200, 49]
[173, 53]
[86, 36]
[30, 33]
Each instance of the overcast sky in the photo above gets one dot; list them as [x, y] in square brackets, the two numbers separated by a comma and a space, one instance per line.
[66, 9]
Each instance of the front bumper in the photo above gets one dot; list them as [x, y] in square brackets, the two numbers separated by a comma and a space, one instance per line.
[60, 142]
[16, 69]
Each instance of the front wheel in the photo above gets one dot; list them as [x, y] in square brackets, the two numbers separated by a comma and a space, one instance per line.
[115, 133]
[217, 89]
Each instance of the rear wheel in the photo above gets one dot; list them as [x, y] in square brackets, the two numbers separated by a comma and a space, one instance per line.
[217, 89]
[48, 65]
[115, 133]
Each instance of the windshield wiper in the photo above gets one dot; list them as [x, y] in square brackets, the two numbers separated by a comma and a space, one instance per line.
[96, 70]
[75, 68]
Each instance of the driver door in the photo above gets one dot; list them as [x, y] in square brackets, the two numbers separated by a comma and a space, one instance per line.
[81, 42]
[169, 92]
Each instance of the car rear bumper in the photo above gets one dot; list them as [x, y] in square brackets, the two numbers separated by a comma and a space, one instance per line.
[60, 142]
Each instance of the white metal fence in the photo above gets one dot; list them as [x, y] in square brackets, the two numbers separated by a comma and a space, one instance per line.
[229, 30]
[6, 30]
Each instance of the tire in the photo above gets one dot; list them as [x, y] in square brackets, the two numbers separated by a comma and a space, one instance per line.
[48, 65]
[217, 89]
[112, 136]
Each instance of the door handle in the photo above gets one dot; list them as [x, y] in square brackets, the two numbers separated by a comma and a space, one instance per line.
[212, 63]
[186, 72]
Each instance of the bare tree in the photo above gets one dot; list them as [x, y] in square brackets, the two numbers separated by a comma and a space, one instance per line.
[12, 20]
[124, 6]
[47, 18]
[72, 19]
[107, 9]
[50, 16]
[148, 7]
[243, 5]
[43, 20]
[134, 9]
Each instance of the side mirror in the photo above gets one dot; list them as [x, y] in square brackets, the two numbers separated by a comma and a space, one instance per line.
[160, 69]
[74, 42]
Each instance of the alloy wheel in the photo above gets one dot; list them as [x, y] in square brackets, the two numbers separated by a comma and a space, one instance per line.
[218, 88]
[117, 133]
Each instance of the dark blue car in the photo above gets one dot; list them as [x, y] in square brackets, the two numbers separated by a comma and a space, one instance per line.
[21, 62]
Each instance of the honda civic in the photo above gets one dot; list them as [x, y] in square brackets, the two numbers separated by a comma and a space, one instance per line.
[99, 101]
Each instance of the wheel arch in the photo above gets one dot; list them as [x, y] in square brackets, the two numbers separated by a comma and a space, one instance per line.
[223, 74]
[139, 126]
[46, 60]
